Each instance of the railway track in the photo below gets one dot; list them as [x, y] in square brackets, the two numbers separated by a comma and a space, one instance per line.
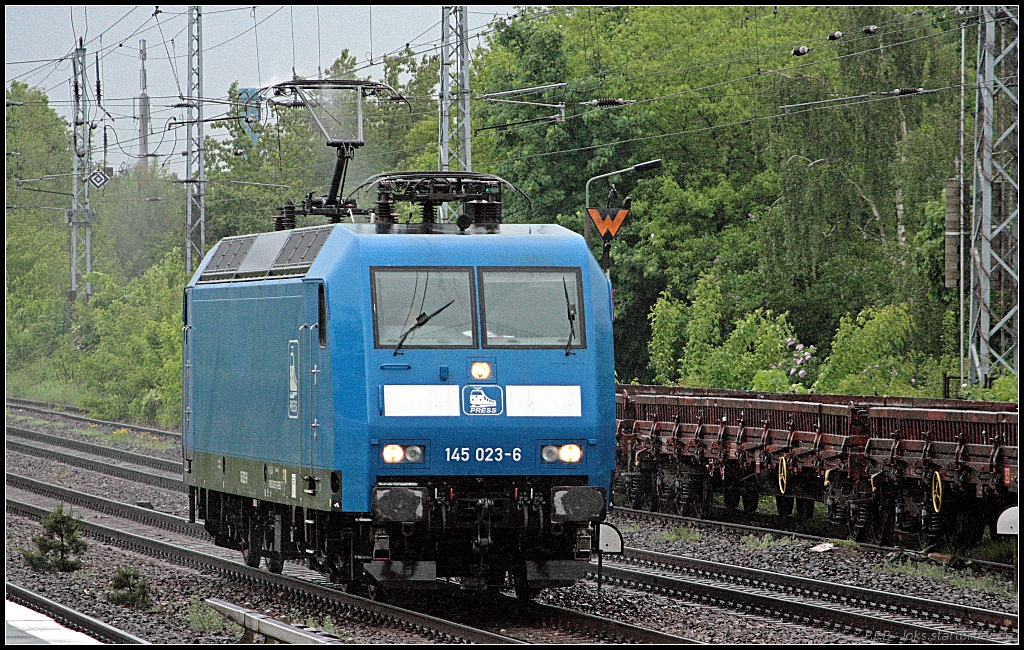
[877, 615]
[717, 584]
[138, 467]
[889, 616]
[97, 462]
[35, 498]
[1000, 568]
[68, 617]
[24, 405]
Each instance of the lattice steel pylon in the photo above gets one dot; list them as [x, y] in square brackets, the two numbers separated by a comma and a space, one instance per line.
[995, 249]
[80, 216]
[456, 148]
[195, 158]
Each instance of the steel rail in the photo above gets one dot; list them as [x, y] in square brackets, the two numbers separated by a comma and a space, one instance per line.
[623, 632]
[68, 617]
[118, 509]
[162, 432]
[840, 593]
[560, 616]
[162, 464]
[353, 606]
[885, 628]
[998, 567]
[139, 476]
[50, 405]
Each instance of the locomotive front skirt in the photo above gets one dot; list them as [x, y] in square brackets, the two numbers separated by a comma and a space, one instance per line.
[397, 403]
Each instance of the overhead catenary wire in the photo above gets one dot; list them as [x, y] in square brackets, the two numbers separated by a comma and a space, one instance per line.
[748, 77]
[659, 136]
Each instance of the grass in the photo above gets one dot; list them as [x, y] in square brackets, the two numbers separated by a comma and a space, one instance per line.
[755, 543]
[961, 579]
[998, 551]
[26, 384]
[847, 544]
[204, 618]
[682, 534]
[140, 438]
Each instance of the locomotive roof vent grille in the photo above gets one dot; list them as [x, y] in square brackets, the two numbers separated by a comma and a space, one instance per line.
[228, 258]
[280, 254]
[300, 250]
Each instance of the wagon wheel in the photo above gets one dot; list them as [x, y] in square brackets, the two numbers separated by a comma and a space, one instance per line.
[275, 563]
[702, 504]
[252, 548]
[523, 591]
[374, 591]
[784, 505]
[643, 497]
[732, 499]
[750, 501]
[963, 528]
[881, 527]
[805, 508]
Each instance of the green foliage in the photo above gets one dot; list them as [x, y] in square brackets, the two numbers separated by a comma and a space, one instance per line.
[37, 258]
[129, 589]
[757, 342]
[204, 618]
[687, 343]
[682, 534]
[755, 543]
[58, 544]
[134, 370]
[762, 227]
[668, 326]
[1004, 389]
[868, 355]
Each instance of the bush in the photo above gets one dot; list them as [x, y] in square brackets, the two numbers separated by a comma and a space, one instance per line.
[58, 543]
[130, 589]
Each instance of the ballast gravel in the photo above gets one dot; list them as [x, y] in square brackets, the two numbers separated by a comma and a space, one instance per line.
[845, 563]
[175, 615]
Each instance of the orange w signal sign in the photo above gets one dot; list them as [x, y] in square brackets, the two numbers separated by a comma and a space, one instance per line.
[607, 220]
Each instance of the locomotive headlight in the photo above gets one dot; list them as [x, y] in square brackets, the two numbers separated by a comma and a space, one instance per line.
[549, 453]
[394, 453]
[414, 454]
[480, 370]
[570, 453]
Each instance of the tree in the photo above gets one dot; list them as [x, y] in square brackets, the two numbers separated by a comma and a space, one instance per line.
[58, 544]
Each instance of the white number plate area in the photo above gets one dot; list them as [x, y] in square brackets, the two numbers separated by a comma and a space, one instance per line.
[482, 454]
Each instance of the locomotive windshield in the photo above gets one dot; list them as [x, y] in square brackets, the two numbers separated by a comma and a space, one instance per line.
[402, 295]
[530, 307]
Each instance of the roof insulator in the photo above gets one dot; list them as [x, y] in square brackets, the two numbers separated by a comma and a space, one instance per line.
[870, 29]
[607, 102]
[835, 36]
[800, 50]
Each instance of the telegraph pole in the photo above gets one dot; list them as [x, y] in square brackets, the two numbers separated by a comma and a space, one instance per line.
[995, 235]
[80, 216]
[195, 169]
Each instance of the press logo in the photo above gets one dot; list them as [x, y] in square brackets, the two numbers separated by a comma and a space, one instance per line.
[482, 400]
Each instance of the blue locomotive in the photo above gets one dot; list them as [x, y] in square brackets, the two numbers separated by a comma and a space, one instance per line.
[395, 403]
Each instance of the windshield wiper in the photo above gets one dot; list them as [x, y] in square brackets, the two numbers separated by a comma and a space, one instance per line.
[420, 320]
[570, 310]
